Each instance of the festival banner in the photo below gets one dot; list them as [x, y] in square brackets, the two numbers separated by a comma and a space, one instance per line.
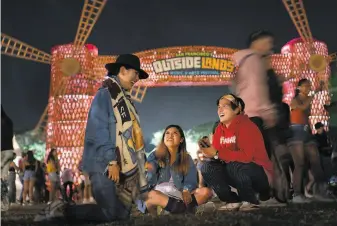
[193, 63]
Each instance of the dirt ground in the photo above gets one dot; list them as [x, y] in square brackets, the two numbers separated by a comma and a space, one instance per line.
[308, 214]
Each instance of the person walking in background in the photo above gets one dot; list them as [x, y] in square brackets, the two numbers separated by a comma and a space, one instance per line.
[11, 180]
[40, 183]
[53, 169]
[30, 166]
[87, 192]
[68, 182]
[302, 145]
[256, 83]
[21, 174]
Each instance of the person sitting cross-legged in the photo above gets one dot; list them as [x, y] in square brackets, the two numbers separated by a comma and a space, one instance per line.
[239, 159]
[173, 176]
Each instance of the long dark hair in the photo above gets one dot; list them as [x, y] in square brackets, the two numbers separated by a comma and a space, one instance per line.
[51, 156]
[30, 157]
[182, 163]
[301, 82]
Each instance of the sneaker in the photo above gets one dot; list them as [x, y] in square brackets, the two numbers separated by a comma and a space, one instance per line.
[231, 206]
[86, 201]
[92, 200]
[54, 210]
[246, 206]
[48, 203]
[272, 202]
[300, 199]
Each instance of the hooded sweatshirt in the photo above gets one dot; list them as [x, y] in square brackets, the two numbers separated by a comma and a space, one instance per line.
[251, 84]
[242, 142]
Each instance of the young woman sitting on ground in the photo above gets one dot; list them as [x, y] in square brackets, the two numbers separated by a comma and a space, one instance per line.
[173, 176]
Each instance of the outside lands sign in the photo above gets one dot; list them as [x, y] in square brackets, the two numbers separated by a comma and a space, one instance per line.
[193, 63]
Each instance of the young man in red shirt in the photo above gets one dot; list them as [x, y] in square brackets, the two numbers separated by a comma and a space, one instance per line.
[239, 158]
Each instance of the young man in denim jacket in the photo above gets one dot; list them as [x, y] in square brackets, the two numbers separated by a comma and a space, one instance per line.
[114, 152]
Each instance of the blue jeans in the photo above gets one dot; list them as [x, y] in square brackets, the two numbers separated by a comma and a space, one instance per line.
[108, 207]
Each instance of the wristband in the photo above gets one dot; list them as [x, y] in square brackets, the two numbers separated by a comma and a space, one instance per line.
[111, 163]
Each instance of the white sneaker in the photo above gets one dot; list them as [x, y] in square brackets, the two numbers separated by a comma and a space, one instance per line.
[92, 200]
[231, 206]
[300, 199]
[86, 201]
[246, 206]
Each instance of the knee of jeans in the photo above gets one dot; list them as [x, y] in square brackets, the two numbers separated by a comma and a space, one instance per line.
[103, 189]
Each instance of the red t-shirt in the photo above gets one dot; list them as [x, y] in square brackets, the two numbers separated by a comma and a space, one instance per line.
[242, 141]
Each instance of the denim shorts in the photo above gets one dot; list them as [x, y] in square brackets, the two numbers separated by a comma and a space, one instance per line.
[301, 133]
[53, 177]
[29, 175]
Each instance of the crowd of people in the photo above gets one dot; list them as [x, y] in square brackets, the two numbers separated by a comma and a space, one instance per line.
[41, 182]
[261, 151]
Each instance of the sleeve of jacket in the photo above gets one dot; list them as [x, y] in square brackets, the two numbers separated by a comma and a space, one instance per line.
[190, 180]
[100, 136]
[152, 174]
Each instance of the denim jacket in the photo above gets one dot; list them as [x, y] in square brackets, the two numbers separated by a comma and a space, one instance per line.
[100, 134]
[159, 175]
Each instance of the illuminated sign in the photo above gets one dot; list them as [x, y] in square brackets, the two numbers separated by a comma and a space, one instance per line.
[193, 63]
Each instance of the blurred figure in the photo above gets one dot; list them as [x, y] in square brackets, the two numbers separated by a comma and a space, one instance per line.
[11, 180]
[21, 174]
[324, 143]
[67, 179]
[53, 170]
[302, 145]
[30, 166]
[259, 87]
[7, 135]
[87, 192]
[40, 183]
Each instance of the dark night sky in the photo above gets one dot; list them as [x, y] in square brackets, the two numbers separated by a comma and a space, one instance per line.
[133, 25]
